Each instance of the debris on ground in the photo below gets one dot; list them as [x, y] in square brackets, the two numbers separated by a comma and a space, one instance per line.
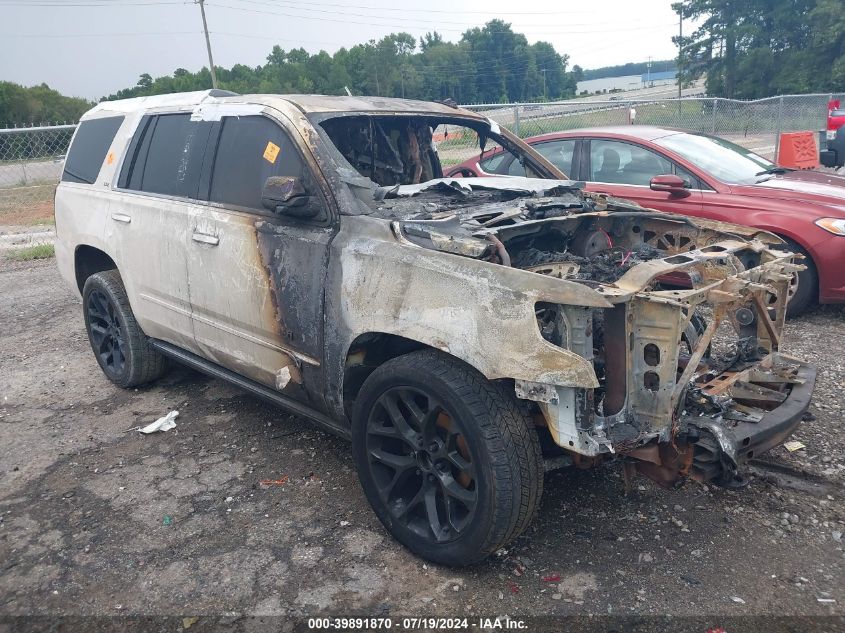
[793, 445]
[164, 423]
[266, 483]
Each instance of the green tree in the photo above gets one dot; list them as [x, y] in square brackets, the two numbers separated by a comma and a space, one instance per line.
[758, 48]
[490, 63]
[38, 104]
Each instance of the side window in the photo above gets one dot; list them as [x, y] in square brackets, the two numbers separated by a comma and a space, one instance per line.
[625, 163]
[559, 153]
[491, 165]
[516, 168]
[692, 181]
[89, 148]
[251, 149]
[166, 156]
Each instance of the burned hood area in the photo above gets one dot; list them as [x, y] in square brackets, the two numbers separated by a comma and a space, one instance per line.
[469, 216]
[685, 352]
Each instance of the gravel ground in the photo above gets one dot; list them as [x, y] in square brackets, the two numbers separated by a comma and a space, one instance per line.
[97, 519]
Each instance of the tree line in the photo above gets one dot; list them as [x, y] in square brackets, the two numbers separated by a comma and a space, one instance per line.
[37, 104]
[749, 49]
[490, 64]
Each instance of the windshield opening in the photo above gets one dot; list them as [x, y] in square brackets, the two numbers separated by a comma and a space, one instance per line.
[406, 150]
[724, 160]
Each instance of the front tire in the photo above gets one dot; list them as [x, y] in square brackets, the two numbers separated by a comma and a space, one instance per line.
[121, 348]
[802, 291]
[450, 464]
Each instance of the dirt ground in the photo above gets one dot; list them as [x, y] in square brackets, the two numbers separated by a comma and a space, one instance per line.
[97, 519]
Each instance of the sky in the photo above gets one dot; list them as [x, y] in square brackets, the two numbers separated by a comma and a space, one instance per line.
[92, 48]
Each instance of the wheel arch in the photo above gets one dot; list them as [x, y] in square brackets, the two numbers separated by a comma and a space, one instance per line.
[370, 350]
[789, 236]
[89, 260]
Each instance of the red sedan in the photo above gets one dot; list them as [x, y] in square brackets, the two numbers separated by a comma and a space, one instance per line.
[704, 176]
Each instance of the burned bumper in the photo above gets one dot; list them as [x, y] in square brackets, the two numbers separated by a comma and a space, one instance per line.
[749, 427]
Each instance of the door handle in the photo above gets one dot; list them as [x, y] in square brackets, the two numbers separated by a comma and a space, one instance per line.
[121, 217]
[204, 238]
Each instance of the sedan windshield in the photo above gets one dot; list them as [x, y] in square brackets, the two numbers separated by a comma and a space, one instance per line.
[722, 159]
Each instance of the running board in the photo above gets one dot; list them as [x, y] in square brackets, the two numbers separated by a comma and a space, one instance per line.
[216, 371]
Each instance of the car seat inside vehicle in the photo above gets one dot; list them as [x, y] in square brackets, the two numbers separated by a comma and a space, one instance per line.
[609, 170]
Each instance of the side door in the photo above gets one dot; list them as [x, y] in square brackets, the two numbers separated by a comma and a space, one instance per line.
[625, 169]
[257, 278]
[149, 214]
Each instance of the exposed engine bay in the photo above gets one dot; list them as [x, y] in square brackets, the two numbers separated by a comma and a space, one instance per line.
[688, 376]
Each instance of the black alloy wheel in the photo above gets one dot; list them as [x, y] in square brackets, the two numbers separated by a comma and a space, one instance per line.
[106, 333]
[449, 461]
[421, 465]
[123, 351]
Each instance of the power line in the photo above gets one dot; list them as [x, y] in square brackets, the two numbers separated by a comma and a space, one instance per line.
[284, 5]
[401, 26]
[91, 4]
[64, 35]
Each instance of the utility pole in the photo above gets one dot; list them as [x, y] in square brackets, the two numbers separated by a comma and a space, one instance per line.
[681, 58]
[648, 73]
[208, 45]
[543, 70]
[680, 49]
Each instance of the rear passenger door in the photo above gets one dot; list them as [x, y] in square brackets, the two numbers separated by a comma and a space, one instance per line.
[148, 221]
[256, 277]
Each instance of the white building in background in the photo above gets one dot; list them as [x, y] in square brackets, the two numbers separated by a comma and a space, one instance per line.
[627, 82]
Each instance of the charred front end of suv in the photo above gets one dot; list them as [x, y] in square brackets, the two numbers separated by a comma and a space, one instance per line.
[684, 348]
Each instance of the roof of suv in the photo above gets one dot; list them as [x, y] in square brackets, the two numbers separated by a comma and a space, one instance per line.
[305, 103]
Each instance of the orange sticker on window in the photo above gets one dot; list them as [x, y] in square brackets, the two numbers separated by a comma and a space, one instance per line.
[110, 159]
[271, 152]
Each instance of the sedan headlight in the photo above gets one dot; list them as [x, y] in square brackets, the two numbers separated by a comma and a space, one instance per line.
[832, 225]
[831, 134]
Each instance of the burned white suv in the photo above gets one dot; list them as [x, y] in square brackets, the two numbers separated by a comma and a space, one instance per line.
[466, 334]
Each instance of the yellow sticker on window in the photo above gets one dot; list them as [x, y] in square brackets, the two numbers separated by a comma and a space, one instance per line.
[110, 159]
[271, 152]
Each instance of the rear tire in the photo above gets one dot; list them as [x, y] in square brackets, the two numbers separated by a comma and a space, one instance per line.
[450, 464]
[121, 348]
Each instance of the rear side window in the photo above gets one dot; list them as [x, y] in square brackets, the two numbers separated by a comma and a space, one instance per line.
[88, 151]
[166, 156]
[250, 150]
[491, 165]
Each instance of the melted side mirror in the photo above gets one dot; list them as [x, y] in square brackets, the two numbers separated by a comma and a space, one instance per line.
[286, 195]
[671, 184]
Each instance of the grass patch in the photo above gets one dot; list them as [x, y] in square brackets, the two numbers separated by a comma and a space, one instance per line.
[39, 251]
[50, 221]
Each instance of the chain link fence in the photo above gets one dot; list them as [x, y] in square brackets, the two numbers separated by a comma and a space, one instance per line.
[31, 158]
[30, 166]
[756, 125]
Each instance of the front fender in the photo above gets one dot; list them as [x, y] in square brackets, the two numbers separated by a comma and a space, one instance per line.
[481, 313]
